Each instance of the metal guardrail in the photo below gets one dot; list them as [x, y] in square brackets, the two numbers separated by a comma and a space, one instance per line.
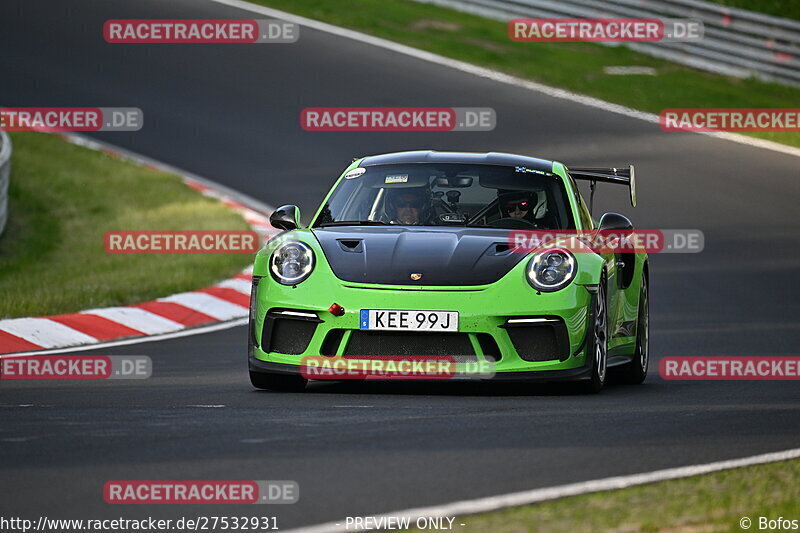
[736, 42]
[5, 173]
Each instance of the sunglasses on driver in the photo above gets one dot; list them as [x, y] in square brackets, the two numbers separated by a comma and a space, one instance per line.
[523, 205]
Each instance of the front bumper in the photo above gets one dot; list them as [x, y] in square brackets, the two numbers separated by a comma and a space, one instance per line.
[484, 314]
[569, 374]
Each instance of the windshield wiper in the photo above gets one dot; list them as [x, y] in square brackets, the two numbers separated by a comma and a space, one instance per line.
[353, 223]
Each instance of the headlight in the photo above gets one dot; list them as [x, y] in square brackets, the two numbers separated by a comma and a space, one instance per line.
[551, 270]
[291, 262]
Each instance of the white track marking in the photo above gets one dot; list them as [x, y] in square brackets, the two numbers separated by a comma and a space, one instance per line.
[208, 305]
[515, 499]
[138, 340]
[138, 319]
[44, 332]
[239, 285]
[492, 74]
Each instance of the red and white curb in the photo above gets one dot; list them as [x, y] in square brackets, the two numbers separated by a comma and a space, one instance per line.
[227, 300]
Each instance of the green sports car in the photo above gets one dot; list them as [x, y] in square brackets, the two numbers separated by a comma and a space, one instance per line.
[411, 254]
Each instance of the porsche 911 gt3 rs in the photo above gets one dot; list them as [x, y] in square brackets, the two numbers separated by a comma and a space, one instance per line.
[409, 255]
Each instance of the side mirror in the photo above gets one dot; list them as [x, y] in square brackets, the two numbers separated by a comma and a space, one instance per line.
[286, 217]
[615, 221]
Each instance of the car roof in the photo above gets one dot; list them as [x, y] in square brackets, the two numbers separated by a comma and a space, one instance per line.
[431, 156]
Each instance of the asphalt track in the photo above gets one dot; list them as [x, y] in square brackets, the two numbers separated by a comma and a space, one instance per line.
[230, 113]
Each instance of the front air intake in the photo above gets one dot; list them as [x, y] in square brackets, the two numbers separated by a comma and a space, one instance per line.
[538, 339]
[288, 331]
[409, 344]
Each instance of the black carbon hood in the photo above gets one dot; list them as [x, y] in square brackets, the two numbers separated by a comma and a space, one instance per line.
[443, 256]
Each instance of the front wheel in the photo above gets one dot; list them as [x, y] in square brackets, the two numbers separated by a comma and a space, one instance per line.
[635, 371]
[278, 382]
[598, 347]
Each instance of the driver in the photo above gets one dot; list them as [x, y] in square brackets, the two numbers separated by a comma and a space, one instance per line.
[517, 204]
[407, 207]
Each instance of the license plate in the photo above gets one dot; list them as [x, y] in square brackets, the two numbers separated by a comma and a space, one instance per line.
[406, 320]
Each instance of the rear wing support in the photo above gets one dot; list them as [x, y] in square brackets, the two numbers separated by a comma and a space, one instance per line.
[621, 176]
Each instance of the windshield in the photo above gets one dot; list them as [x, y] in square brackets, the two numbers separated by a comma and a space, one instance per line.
[450, 194]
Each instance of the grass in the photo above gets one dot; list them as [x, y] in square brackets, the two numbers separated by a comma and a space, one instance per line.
[789, 9]
[574, 66]
[63, 198]
[710, 503]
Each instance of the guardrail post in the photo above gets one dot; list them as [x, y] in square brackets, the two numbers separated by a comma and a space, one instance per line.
[5, 176]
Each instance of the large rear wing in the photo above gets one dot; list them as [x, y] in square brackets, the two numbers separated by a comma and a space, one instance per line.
[622, 176]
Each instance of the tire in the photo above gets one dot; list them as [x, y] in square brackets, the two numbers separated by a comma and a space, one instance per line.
[598, 346]
[635, 371]
[278, 382]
